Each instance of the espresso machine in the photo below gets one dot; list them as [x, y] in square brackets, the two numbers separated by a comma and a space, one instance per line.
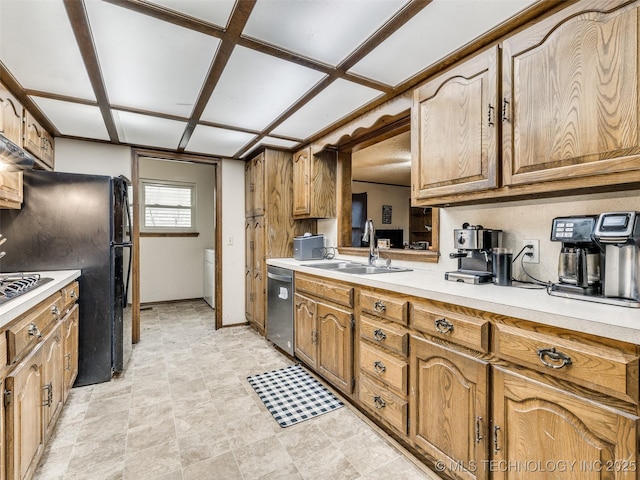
[618, 234]
[474, 245]
[580, 260]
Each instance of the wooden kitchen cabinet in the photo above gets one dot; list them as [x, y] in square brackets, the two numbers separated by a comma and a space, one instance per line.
[324, 329]
[11, 111]
[449, 406]
[11, 189]
[53, 378]
[314, 184]
[70, 335]
[454, 128]
[538, 424]
[38, 141]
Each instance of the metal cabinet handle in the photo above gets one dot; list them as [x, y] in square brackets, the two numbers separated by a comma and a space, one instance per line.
[379, 306]
[490, 116]
[554, 356]
[505, 103]
[55, 310]
[496, 447]
[379, 335]
[479, 436]
[68, 357]
[378, 402]
[72, 294]
[379, 367]
[34, 331]
[49, 397]
[443, 326]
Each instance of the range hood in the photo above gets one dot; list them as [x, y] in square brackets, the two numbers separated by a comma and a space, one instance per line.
[13, 156]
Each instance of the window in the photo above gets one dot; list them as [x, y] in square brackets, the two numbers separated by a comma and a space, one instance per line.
[168, 206]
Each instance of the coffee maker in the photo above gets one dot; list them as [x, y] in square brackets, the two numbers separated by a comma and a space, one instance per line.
[618, 233]
[580, 260]
[474, 245]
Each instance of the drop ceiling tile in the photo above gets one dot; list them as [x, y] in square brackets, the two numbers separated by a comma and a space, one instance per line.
[217, 141]
[216, 12]
[278, 142]
[441, 28]
[147, 63]
[324, 30]
[38, 47]
[334, 102]
[256, 88]
[74, 119]
[146, 130]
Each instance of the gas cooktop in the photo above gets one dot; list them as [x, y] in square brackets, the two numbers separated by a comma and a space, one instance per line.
[13, 285]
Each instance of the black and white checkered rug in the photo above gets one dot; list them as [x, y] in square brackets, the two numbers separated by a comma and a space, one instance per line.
[292, 395]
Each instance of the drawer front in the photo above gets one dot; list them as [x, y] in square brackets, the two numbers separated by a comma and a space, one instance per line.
[384, 334]
[29, 330]
[384, 306]
[70, 295]
[466, 330]
[384, 367]
[599, 367]
[334, 292]
[388, 406]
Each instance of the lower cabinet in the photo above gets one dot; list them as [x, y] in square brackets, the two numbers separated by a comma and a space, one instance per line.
[53, 378]
[449, 408]
[70, 358]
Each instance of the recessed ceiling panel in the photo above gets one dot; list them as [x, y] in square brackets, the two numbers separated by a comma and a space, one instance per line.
[217, 141]
[334, 102]
[256, 88]
[74, 119]
[150, 131]
[147, 63]
[216, 12]
[324, 30]
[38, 47]
[438, 30]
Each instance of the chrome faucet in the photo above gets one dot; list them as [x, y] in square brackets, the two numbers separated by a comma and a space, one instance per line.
[369, 235]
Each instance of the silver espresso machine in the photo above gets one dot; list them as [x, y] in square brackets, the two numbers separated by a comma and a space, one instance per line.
[618, 234]
[474, 245]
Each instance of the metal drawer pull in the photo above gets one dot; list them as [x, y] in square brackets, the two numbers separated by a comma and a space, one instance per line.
[554, 356]
[379, 306]
[496, 448]
[479, 436]
[49, 399]
[490, 116]
[72, 294]
[378, 402]
[55, 310]
[379, 335]
[34, 331]
[68, 357]
[505, 102]
[442, 326]
[379, 367]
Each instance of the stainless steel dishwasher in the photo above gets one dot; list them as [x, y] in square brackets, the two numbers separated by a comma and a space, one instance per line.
[280, 308]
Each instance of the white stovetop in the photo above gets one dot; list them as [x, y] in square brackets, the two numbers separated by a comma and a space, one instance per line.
[12, 309]
[619, 323]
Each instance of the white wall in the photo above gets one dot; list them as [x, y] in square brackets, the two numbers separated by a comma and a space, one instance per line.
[233, 242]
[171, 268]
[76, 156]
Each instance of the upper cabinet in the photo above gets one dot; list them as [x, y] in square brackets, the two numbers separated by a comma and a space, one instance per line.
[455, 130]
[37, 141]
[314, 184]
[10, 116]
[568, 118]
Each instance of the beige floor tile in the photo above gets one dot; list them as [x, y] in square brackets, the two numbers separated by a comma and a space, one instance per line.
[223, 466]
[151, 463]
[326, 464]
[261, 458]
[202, 446]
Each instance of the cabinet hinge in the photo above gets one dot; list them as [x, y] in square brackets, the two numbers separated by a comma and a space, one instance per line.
[353, 324]
[8, 396]
[353, 383]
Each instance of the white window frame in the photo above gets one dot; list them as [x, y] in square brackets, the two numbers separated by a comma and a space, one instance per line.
[144, 182]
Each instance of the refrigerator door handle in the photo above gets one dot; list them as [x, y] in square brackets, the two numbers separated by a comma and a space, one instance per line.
[122, 244]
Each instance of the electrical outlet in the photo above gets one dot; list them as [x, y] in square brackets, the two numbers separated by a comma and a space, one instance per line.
[535, 251]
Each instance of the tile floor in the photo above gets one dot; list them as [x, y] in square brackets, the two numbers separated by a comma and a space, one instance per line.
[184, 410]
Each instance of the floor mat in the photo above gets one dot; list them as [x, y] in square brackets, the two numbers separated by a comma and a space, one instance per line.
[292, 395]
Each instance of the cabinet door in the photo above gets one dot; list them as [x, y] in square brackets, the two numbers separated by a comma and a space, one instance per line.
[257, 173]
[449, 400]
[32, 135]
[249, 243]
[248, 189]
[535, 424]
[10, 116]
[259, 300]
[53, 377]
[258, 243]
[454, 124]
[335, 346]
[47, 150]
[11, 187]
[301, 182]
[23, 407]
[248, 294]
[70, 339]
[305, 330]
[571, 83]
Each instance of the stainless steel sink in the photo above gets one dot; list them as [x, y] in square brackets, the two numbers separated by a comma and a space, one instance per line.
[355, 268]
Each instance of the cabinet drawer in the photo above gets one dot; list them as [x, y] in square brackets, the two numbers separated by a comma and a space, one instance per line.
[460, 328]
[70, 295]
[29, 330]
[334, 292]
[385, 334]
[388, 406]
[392, 308]
[384, 367]
[597, 366]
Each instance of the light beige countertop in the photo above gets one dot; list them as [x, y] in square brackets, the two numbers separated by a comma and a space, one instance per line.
[19, 305]
[615, 322]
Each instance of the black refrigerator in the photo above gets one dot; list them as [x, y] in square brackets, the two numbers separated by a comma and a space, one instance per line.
[76, 221]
